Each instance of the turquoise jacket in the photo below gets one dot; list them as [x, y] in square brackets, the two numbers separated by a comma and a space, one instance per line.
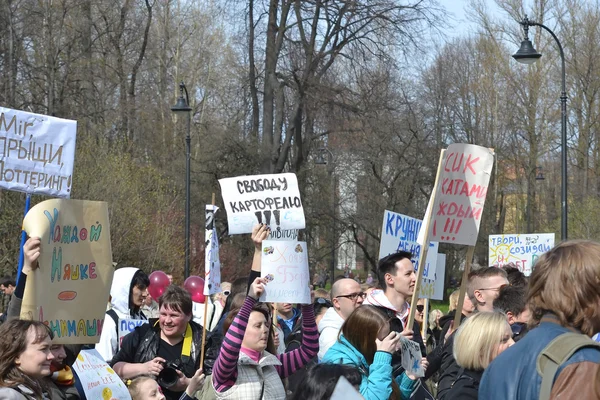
[377, 378]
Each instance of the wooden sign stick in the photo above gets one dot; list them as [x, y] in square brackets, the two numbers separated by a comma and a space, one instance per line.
[425, 321]
[206, 300]
[463, 287]
[424, 248]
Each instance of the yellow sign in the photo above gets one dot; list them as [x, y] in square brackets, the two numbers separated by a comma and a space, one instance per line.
[70, 289]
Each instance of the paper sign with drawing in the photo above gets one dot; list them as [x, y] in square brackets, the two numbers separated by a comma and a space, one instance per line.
[411, 357]
[522, 250]
[273, 200]
[98, 380]
[284, 265]
[36, 153]
[70, 289]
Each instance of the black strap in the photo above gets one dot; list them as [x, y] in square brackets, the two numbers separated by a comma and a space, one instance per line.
[115, 317]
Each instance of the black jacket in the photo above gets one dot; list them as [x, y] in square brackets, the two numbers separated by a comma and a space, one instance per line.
[465, 386]
[141, 346]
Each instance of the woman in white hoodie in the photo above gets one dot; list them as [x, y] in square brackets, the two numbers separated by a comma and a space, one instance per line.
[127, 293]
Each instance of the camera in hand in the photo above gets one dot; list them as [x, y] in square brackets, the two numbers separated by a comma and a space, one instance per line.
[168, 377]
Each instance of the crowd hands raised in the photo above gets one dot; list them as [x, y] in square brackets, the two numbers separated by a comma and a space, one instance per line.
[278, 351]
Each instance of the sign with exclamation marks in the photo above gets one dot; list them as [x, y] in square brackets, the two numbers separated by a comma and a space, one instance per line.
[273, 200]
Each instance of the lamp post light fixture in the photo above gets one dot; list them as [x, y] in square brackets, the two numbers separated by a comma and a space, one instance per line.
[183, 106]
[325, 157]
[528, 55]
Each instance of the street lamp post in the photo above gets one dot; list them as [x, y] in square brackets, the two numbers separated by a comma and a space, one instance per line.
[528, 55]
[321, 160]
[183, 105]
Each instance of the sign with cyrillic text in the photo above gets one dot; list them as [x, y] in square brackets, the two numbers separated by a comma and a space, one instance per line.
[463, 184]
[411, 357]
[273, 200]
[126, 326]
[36, 153]
[97, 379]
[520, 250]
[284, 264]
[399, 232]
[69, 290]
[433, 289]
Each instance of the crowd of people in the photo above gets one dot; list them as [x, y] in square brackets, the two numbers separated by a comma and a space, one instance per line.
[519, 337]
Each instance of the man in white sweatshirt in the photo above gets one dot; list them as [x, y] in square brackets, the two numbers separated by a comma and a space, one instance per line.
[346, 295]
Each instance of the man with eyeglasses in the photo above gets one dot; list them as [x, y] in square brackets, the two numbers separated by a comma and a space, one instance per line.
[346, 295]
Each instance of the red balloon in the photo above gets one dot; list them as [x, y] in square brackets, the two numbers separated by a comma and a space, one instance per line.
[159, 281]
[195, 287]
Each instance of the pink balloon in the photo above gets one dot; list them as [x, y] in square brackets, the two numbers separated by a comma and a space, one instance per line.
[159, 281]
[195, 287]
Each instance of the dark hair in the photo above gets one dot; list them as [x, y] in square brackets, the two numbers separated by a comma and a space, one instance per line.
[240, 285]
[177, 299]
[320, 303]
[236, 304]
[140, 280]
[387, 265]
[515, 276]
[13, 342]
[319, 381]
[511, 298]
[262, 308]
[7, 281]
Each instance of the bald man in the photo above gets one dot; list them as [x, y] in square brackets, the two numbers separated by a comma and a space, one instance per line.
[346, 295]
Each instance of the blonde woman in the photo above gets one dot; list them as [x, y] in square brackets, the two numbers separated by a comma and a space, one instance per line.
[478, 341]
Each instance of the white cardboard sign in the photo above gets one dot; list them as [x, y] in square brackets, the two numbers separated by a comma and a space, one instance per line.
[434, 288]
[463, 184]
[126, 326]
[399, 232]
[273, 200]
[522, 250]
[36, 153]
[212, 263]
[411, 357]
[285, 266]
[98, 380]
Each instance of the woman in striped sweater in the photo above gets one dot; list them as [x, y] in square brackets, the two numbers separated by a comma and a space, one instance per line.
[244, 369]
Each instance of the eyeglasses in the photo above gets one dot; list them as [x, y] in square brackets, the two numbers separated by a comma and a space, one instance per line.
[323, 302]
[494, 288]
[353, 296]
[420, 308]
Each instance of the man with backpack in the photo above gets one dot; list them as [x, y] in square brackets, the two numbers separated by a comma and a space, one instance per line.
[557, 358]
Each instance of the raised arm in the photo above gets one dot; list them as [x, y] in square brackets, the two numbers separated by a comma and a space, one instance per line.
[298, 358]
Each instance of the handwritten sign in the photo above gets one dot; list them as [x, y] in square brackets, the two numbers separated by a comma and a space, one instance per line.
[283, 234]
[98, 380]
[434, 288]
[126, 326]
[285, 266]
[36, 153]
[70, 289]
[399, 232]
[273, 200]
[212, 263]
[522, 250]
[411, 357]
[463, 186]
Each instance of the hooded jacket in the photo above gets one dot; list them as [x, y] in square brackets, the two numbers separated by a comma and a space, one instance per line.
[329, 330]
[378, 299]
[120, 293]
[376, 383]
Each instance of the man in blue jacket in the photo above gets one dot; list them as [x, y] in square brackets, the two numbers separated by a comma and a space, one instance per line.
[563, 297]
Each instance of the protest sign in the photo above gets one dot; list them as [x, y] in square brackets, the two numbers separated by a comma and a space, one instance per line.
[285, 266]
[126, 326]
[344, 390]
[399, 232]
[70, 289]
[273, 200]
[97, 379]
[283, 234]
[36, 153]
[463, 184]
[522, 250]
[434, 288]
[212, 264]
[411, 357]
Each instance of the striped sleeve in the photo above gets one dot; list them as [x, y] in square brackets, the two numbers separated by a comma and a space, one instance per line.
[225, 369]
[298, 358]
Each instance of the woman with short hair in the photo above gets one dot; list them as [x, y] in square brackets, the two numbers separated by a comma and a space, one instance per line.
[25, 359]
[478, 341]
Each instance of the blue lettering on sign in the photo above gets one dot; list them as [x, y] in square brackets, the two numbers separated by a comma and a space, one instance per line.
[404, 228]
